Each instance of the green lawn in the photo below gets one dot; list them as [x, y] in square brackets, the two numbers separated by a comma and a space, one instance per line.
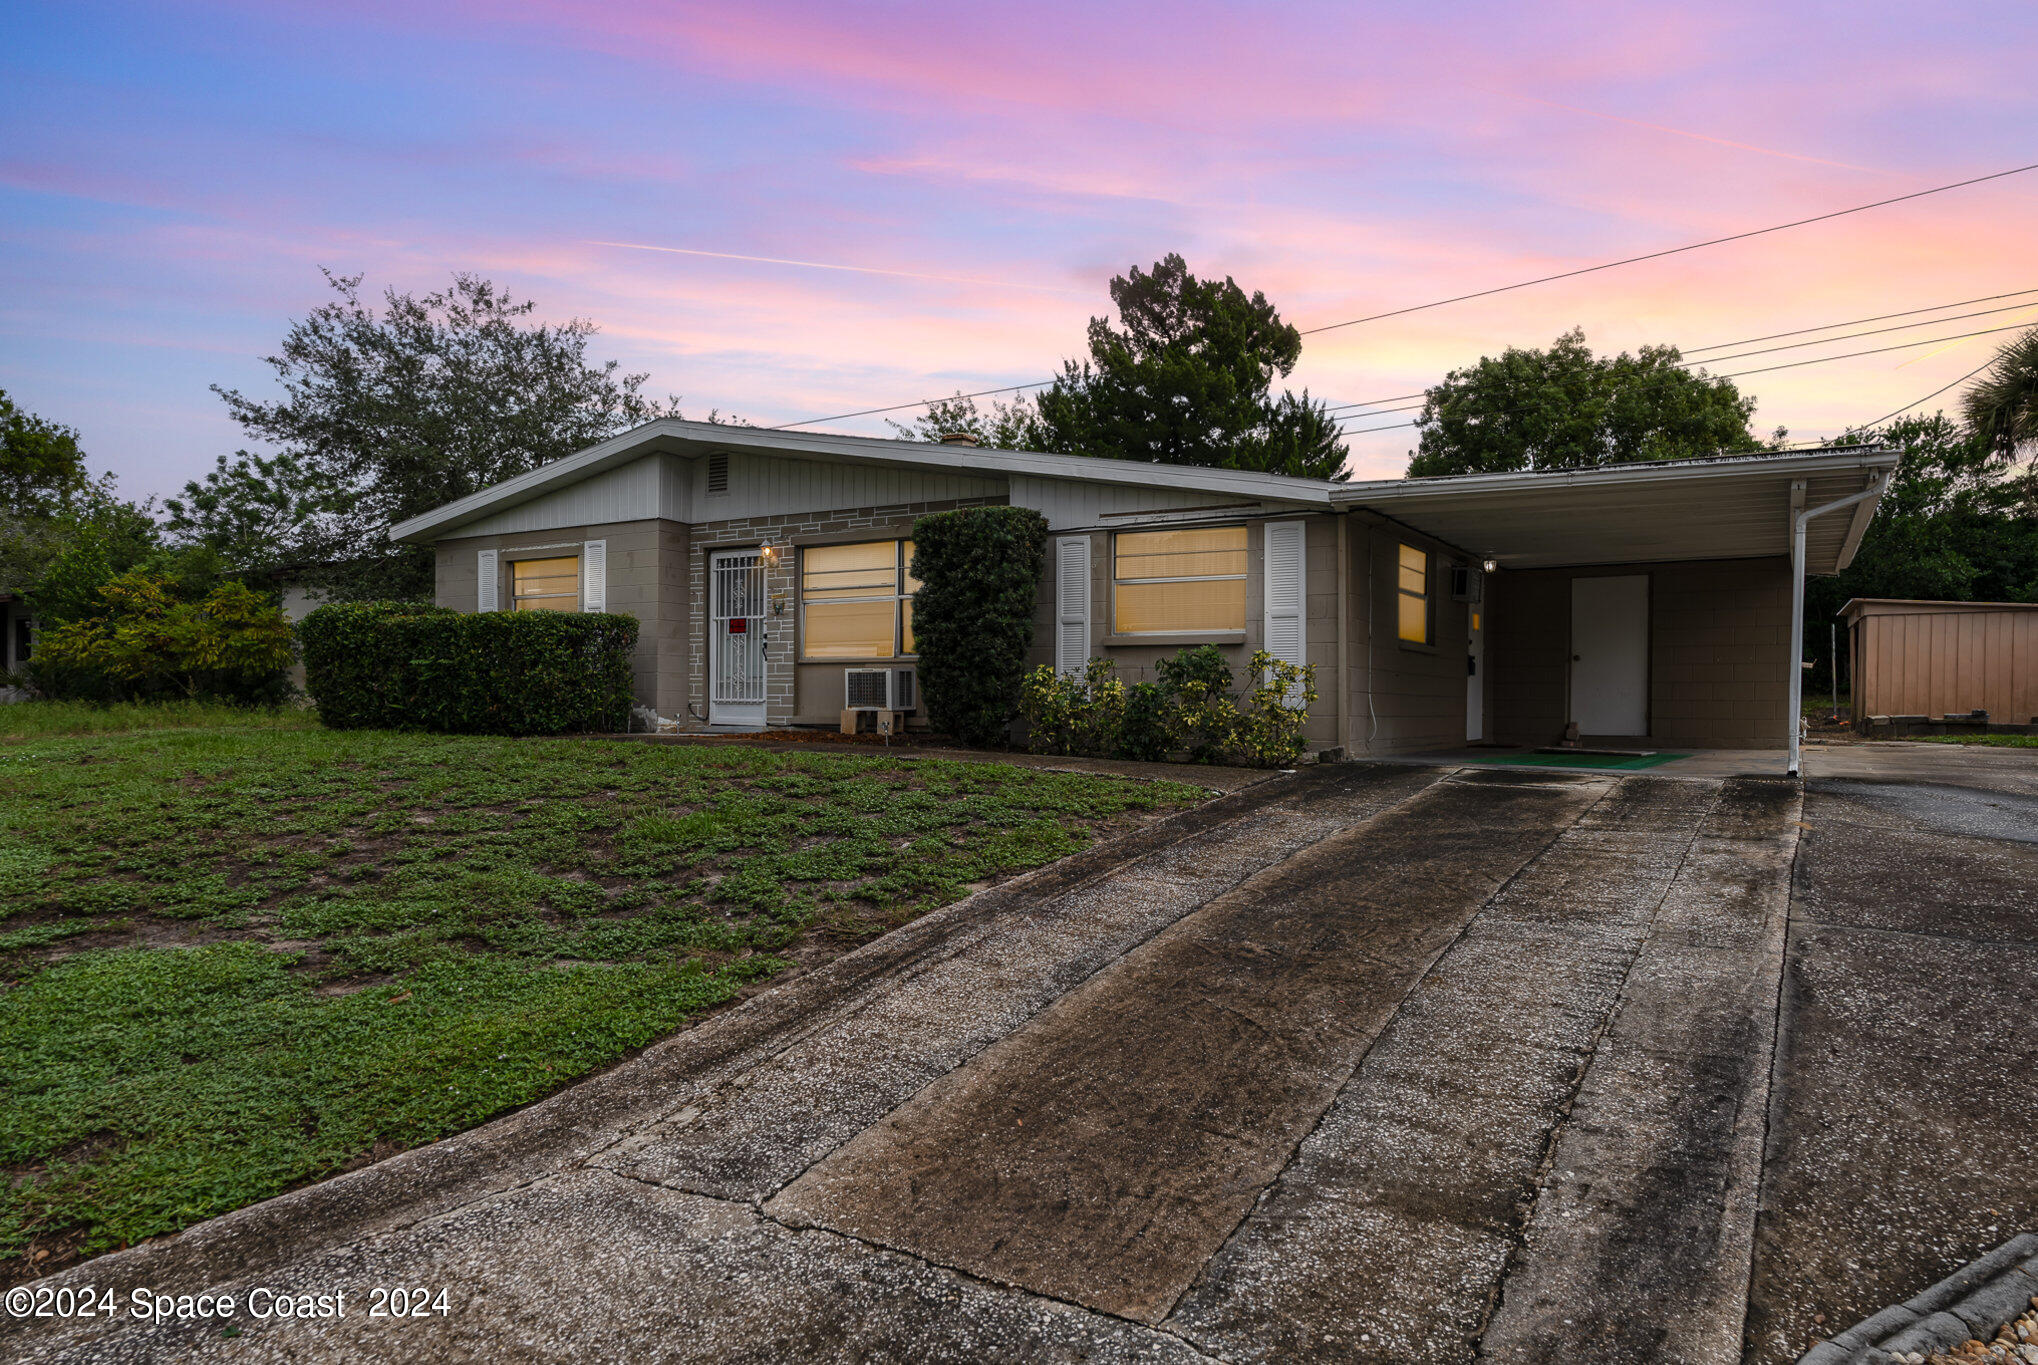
[240, 955]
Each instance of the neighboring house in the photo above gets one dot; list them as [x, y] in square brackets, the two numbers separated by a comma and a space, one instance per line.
[1935, 659]
[17, 642]
[1646, 603]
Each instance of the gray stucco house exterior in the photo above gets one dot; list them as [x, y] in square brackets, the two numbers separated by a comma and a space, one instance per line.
[1644, 603]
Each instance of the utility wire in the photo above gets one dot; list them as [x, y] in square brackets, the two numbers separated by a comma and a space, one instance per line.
[1866, 426]
[1501, 289]
[1856, 322]
[1901, 346]
[1871, 332]
[1671, 251]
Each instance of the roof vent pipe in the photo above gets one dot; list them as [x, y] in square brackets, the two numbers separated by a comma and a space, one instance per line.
[957, 438]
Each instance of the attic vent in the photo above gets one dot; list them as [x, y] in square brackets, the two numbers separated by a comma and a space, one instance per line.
[718, 472]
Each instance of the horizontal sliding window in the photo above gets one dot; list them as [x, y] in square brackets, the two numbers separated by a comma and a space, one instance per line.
[546, 584]
[856, 601]
[1166, 582]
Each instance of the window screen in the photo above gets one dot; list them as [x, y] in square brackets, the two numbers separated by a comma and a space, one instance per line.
[546, 584]
[1187, 580]
[1413, 595]
[856, 601]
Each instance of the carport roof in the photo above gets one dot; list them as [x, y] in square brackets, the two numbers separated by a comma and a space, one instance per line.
[1724, 507]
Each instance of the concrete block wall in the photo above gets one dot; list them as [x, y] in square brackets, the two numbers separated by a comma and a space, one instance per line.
[1719, 652]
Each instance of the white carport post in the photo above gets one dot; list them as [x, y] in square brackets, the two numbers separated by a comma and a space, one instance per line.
[1798, 523]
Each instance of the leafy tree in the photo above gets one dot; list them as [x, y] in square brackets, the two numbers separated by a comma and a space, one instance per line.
[1959, 522]
[255, 512]
[1531, 409]
[2003, 407]
[88, 548]
[1186, 378]
[388, 413]
[148, 640]
[1010, 425]
[42, 468]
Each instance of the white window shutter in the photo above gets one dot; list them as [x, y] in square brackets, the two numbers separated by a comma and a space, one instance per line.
[594, 576]
[1071, 604]
[486, 595]
[1286, 591]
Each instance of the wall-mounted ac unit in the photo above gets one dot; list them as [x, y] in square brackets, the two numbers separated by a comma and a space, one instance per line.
[879, 689]
[1468, 583]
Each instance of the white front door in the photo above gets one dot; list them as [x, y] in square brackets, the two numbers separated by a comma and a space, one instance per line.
[1475, 673]
[736, 597]
[1610, 655]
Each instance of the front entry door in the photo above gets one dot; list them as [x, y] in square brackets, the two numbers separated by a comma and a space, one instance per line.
[1475, 673]
[736, 595]
[1610, 655]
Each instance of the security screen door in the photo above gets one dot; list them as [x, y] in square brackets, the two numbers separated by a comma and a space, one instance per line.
[1610, 655]
[736, 597]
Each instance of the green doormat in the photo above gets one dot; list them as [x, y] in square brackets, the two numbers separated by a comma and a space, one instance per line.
[1626, 762]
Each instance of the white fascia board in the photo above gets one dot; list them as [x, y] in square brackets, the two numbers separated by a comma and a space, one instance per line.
[1385, 492]
[679, 437]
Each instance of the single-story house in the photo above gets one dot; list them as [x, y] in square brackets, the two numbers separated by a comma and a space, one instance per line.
[1646, 604]
[1935, 659]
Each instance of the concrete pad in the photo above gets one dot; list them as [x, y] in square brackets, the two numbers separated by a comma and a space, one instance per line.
[1904, 1130]
[1103, 1153]
[1639, 1242]
[747, 1138]
[1386, 1237]
[595, 1267]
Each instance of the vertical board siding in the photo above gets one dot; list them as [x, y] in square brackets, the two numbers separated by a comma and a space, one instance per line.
[771, 486]
[1917, 661]
[1072, 603]
[1071, 503]
[626, 493]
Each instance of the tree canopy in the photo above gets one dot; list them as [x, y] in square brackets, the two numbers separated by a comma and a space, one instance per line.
[1186, 377]
[42, 468]
[1550, 409]
[388, 413]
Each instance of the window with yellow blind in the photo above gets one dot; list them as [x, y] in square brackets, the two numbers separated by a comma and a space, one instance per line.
[1178, 582]
[545, 584]
[856, 601]
[1412, 593]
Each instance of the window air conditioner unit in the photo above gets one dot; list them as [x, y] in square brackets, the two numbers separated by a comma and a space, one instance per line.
[879, 689]
[1468, 584]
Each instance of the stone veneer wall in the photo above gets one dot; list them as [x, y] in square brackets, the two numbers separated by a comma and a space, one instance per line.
[780, 658]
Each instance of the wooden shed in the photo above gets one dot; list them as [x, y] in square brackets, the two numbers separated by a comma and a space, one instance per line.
[1943, 658]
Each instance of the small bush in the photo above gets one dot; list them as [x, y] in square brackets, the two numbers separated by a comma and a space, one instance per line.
[1189, 712]
[145, 644]
[979, 570]
[412, 666]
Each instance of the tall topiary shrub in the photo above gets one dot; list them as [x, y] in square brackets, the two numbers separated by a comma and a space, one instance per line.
[410, 666]
[979, 570]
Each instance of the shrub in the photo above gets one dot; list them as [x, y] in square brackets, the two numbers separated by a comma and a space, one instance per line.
[231, 645]
[979, 571]
[1197, 685]
[412, 666]
[1190, 709]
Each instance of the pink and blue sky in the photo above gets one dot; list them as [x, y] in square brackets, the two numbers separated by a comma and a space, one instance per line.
[961, 181]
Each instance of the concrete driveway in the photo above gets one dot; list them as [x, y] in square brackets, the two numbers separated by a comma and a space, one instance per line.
[1374, 1063]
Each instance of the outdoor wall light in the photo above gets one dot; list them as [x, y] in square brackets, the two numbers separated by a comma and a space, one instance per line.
[768, 552]
[1491, 565]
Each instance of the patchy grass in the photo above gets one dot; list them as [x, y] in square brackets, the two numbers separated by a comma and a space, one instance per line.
[41, 719]
[1987, 741]
[236, 959]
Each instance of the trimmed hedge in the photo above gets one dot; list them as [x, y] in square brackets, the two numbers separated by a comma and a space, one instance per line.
[979, 570]
[413, 666]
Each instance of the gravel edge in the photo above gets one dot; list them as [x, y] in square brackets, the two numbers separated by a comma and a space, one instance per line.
[1972, 1302]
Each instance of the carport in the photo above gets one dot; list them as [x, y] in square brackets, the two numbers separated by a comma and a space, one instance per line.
[1656, 604]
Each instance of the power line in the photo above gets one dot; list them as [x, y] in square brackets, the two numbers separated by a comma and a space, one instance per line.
[1856, 322]
[1671, 251]
[1871, 332]
[1901, 346]
[1501, 289]
[1865, 426]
